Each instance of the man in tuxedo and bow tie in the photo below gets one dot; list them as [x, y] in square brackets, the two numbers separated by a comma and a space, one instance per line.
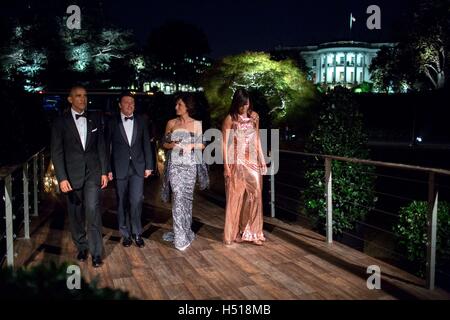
[80, 161]
[131, 162]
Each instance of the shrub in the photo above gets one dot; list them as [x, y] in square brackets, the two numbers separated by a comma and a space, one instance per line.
[50, 282]
[339, 131]
[411, 232]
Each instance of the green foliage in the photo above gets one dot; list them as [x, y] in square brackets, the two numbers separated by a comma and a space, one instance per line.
[42, 52]
[283, 85]
[22, 60]
[391, 70]
[411, 232]
[339, 131]
[421, 59]
[364, 87]
[50, 282]
[94, 53]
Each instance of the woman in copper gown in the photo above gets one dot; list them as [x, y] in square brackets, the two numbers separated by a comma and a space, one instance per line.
[244, 166]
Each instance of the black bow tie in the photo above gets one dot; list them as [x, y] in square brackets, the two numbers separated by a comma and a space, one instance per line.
[77, 116]
[128, 118]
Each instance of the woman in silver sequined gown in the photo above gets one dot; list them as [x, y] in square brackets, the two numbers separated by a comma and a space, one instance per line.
[183, 139]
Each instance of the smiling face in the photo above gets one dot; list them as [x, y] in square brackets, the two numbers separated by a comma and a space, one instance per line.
[181, 108]
[78, 99]
[126, 105]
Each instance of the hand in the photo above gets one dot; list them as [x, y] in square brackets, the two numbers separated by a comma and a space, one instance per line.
[173, 145]
[110, 176]
[188, 147]
[263, 169]
[147, 173]
[226, 172]
[64, 186]
[104, 181]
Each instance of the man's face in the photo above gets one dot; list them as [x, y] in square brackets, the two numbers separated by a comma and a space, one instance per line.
[78, 99]
[127, 106]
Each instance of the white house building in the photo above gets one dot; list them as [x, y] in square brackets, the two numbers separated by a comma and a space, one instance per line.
[344, 62]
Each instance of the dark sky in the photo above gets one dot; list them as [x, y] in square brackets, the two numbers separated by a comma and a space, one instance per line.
[235, 26]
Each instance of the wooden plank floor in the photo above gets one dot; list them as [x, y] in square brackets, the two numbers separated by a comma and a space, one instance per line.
[294, 263]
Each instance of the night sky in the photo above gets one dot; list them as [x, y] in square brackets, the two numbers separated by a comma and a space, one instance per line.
[235, 26]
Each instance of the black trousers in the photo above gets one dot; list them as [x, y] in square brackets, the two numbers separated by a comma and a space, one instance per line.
[130, 196]
[84, 207]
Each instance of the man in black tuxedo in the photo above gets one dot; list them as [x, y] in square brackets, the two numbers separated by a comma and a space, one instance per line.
[79, 158]
[131, 162]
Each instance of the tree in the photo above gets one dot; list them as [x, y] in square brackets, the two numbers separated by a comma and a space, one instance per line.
[110, 44]
[282, 84]
[421, 59]
[432, 56]
[430, 40]
[176, 52]
[391, 70]
[22, 60]
[39, 51]
[91, 52]
[4, 39]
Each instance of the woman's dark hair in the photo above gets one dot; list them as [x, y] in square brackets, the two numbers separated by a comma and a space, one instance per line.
[240, 98]
[188, 100]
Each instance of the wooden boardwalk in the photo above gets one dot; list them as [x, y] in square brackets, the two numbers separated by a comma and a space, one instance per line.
[294, 263]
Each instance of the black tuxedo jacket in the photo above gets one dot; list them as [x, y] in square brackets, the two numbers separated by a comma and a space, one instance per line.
[140, 151]
[71, 162]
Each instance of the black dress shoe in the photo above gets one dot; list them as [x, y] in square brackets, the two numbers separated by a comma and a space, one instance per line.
[139, 241]
[96, 261]
[126, 242]
[82, 255]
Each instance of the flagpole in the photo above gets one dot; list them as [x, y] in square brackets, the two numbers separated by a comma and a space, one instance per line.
[352, 19]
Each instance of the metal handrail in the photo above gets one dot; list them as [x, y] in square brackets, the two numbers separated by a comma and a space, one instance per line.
[371, 162]
[432, 199]
[6, 174]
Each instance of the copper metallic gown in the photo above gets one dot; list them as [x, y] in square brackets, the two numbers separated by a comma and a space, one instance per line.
[243, 213]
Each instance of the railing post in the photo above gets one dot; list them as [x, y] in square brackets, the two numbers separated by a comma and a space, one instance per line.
[329, 195]
[35, 186]
[432, 230]
[272, 191]
[9, 223]
[26, 203]
[42, 173]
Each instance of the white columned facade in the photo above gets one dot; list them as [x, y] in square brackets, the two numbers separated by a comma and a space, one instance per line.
[364, 68]
[334, 65]
[330, 55]
[345, 68]
[319, 75]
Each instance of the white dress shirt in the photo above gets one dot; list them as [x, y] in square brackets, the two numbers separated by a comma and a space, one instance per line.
[81, 124]
[128, 126]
